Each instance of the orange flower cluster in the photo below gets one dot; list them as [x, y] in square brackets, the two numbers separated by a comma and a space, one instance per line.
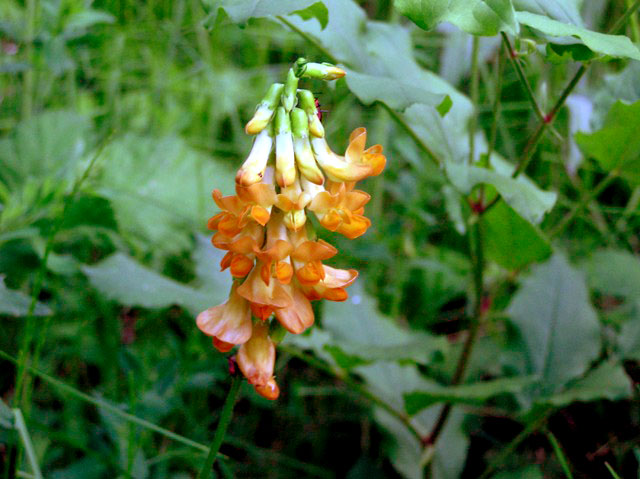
[272, 252]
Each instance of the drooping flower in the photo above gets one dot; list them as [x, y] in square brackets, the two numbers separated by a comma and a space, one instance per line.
[273, 253]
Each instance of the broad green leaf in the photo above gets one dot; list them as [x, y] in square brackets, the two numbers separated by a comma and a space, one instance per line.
[520, 193]
[123, 279]
[620, 86]
[558, 325]
[472, 393]
[48, 145]
[609, 45]
[160, 188]
[395, 93]
[617, 145]
[241, 12]
[478, 17]
[614, 272]
[16, 303]
[629, 336]
[391, 381]
[573, 52]
[566, 11]
[607, 381]
[510, 240]
[359, 330]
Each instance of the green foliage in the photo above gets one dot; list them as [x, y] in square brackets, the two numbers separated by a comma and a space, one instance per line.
[16, 303]
[616, 145]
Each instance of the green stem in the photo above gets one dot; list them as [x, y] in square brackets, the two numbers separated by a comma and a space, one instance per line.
[497, 103]
[584, 201]
[221, 430]
[635, 28]
[473, 123]
[477, 258]
[562, 458]
[521, 76]
[309, 38]
[419, 141]
[625, 16]
[27, 94]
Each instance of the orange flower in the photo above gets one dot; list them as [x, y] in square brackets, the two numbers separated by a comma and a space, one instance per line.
[357, 163]
[341, 209]
[264, 298]
[256, 357]
[292, 201]
[332, 287]
[229, 323]
[297, 317]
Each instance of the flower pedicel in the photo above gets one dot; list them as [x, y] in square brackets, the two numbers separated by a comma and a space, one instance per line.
[272, 252]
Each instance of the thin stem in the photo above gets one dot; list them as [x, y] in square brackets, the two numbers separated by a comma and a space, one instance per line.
[221, 430]
[635, 28]
[521, 76]
[511, 447]
[497, 103]
[625, 16]
[473, 121]
[310, 39]
[584, 201]
[562, 458]
[477, 258]
[419, 141]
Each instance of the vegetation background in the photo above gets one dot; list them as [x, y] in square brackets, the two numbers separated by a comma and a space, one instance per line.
[118, 118]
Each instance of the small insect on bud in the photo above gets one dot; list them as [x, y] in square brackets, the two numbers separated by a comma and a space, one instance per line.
[264, 111]
[308, 104]
[285, 159]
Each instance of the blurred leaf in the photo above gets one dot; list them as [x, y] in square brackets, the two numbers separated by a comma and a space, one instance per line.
[566, 11]
[453, 205]
[557, 323]
[49, 144]
[629, 336]
[86, 19]
[472, 393]
[510, 240]
[527, 472]
[160, 188]
[394, 93]
[123, 279]
[478, 17]
[617, 145]
[620, 86]
[16, 303]
[520, 193]
[241, 12]
[609, 45]
[614, 272]
[607, 381]
[358, 329]
[391, 381]
[6, 416]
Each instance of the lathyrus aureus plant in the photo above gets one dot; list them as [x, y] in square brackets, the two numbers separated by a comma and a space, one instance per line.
[272, 251]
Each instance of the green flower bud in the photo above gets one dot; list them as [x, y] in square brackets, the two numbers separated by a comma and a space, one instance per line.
[265, 109]
[289, 93]
[308, 104]
[305, 158]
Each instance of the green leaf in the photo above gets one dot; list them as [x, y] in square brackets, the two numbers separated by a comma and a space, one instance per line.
[607, 381]
[617, 145]
[6, 416]
[573, 52]
[478, 17]
[473, 393]
[566, 11]
[620, 86]
[510, 240]
[520, 193]
[395, 93]
[16, 303]
[614, 272]
[609, 45]
[160, 188]
[123, 279]
[557, 323]
[86, 19]
[629, 335]
[241, 12]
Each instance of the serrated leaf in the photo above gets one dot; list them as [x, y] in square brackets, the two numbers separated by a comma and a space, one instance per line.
[520, 193]
[123, 279]
[614, 272]
[16, 303]
[607, 381]
[473, 393]
[478, 17]
[604, 44]
[617, 145]
[160, 188]
[395, 93]
[510, 240]
[557, 323]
